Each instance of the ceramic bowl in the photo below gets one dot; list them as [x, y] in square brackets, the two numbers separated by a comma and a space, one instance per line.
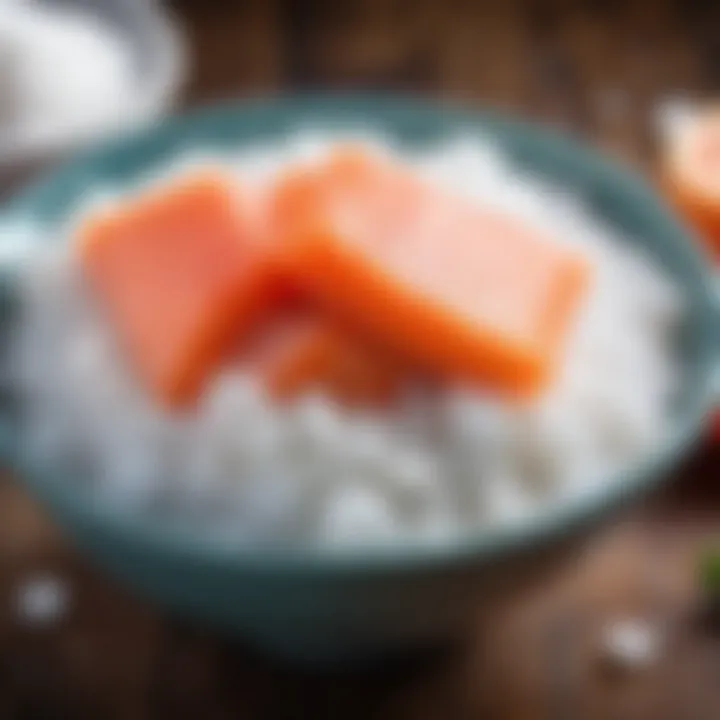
[323, 606]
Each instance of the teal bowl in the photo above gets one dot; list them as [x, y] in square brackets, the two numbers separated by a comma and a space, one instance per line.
[315, 605]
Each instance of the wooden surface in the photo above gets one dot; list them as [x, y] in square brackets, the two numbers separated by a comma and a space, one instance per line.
[111, 656]
[597, 67]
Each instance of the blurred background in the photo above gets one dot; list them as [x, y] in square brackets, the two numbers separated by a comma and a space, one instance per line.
[73, 645]
[597, 66]
[594, 66]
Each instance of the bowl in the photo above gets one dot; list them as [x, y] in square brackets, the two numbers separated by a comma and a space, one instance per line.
[324, 606]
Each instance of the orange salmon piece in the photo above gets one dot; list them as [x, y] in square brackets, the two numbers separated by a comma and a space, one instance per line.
[183, 272]
[470, 291]
[691, 174]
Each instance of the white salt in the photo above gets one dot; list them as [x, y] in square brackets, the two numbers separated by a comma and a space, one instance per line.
[64, 74]
[631, 644]
[41, 600]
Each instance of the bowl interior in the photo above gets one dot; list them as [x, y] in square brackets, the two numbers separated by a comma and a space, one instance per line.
[615, 194]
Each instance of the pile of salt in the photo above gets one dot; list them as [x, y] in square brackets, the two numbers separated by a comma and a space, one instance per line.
[64, 75]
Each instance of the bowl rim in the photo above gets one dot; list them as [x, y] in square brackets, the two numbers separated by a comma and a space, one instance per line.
[553, 521]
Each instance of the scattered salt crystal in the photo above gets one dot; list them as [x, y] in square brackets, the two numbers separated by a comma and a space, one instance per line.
[41, 600]
[631, 644]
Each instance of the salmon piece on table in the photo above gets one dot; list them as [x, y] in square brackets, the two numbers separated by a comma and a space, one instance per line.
[473, 292]
[691, 174]
[183, 271]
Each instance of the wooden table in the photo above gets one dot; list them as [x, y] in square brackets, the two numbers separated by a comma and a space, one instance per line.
[595, 67]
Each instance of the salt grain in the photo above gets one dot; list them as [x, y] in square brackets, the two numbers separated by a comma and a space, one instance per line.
[631, 644]
[41, 600]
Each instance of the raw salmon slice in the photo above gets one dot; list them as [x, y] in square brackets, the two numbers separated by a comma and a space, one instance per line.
[183, 272]
[691, 174]
[471, 291]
